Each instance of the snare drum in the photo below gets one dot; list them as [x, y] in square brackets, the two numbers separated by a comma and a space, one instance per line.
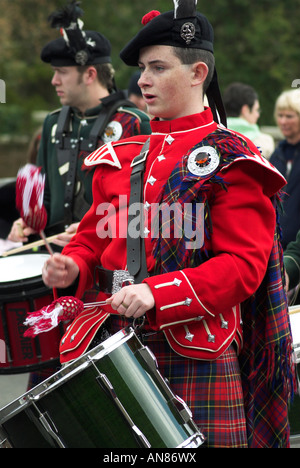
[294, 414]
[111, 397]
[21, 291]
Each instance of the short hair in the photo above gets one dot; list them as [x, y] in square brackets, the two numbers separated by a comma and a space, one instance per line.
[105, 74]
[288, 100]
[236, 95]
[190, 56]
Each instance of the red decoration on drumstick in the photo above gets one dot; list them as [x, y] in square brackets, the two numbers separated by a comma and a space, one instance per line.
[43, 320]
[30, 186]
[63, 308]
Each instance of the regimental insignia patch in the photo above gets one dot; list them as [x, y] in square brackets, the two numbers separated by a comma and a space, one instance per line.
[113, 132]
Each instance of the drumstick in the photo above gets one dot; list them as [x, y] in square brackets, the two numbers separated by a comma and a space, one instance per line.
[296, 311]
[31, 245]
[47, 244]
[43, 237]
[93, 304]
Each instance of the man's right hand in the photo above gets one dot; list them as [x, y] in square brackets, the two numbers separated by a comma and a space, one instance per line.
[60, 271]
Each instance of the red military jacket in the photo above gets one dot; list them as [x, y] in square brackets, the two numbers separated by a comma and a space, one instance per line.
[198, 309]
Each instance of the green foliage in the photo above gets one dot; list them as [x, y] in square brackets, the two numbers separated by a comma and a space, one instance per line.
[256, 41]
[12, 118]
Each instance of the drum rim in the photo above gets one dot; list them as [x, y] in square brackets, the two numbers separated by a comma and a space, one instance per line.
[67, 371]
[21, 289]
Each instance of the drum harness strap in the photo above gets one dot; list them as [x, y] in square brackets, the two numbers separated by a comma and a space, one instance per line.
[111, 281]
[68, 149]
[136, 255]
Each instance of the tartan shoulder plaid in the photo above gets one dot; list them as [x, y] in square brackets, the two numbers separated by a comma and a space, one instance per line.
[184, 187]
[267, 368]
[266, 361]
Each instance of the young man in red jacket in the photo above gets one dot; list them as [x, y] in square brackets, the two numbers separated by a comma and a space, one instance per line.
[207, 261]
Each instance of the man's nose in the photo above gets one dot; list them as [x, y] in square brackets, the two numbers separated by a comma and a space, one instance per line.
[144, 80]
[54, 80]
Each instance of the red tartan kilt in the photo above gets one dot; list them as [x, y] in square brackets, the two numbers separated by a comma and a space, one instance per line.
[211, 389]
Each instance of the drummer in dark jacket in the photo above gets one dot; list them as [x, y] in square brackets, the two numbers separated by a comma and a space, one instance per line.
[94, 112]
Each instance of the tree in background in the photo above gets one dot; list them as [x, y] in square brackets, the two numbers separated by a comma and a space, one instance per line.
[256, 41]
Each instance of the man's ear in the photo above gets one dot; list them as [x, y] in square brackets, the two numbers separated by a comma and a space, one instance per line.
[90, 74]
[200, 72]
[245, 111]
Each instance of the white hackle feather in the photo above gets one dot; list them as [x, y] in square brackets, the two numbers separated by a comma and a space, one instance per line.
[184, 8]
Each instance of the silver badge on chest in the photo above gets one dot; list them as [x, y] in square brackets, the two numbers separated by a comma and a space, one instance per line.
[203, 161]
[113, 132]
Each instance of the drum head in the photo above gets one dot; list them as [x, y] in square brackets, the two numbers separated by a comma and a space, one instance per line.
[21, 267]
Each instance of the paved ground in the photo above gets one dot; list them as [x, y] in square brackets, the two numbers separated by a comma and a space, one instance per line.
[11, 387]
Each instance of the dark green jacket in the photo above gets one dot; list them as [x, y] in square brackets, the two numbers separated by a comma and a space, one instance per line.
[126, 122]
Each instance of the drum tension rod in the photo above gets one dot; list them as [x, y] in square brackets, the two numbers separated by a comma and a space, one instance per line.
[4, 442]
[107, 386]
[46, 422]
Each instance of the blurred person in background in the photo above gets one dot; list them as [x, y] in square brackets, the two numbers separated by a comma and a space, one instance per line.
[8, 211]
[243, 111]
[135, 93]
[286, 158]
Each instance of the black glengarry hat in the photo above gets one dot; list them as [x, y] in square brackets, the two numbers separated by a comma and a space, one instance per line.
[183, 27]
[76, 46]
[166, 29]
